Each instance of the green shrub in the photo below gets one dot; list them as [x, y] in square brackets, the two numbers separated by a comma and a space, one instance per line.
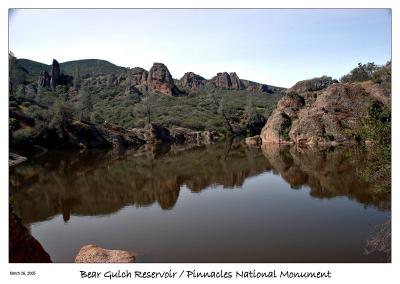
[22, 136]
[377, 128]
[362, 72]
[36, 112]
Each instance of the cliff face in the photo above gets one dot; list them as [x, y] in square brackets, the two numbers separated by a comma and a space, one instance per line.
[192, 81]
[322, 111]
[139, 76]
[160, 80]
[157, 80]
[224, 80]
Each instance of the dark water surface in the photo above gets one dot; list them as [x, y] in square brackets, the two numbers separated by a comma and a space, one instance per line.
[217, 203]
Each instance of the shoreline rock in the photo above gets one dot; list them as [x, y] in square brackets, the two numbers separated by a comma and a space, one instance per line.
[23, 247]
[15, 159]
[254, 140]
[321, 111]
[94, 254]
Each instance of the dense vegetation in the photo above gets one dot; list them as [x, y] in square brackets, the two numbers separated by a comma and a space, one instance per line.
[88, 93]
[377, 126]
[370, 71]
[377, 129]
[209, 110]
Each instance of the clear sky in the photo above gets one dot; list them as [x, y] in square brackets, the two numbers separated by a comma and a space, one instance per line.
[277, 47]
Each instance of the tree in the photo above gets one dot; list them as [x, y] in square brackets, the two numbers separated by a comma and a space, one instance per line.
[60, 116]
[96, 118]
[362, 72]
[226, 113]
[150, 104]
[17, 75]
[86, 105]
[377, 129]
[220, 107]
[110, 80]
[77, 78]
[250, 110]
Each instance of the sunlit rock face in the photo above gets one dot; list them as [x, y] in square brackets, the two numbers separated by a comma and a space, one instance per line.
[160, 80]
[231, 81]
[138, 76]
[192, 81]
[94, 254]
[322, 111]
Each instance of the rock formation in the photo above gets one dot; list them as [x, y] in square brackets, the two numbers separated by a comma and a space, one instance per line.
[154, 134]
[192, 81]
[222, 80]
[321, 111]
[95, 254]
[15, 159]
[138, 76]
[44, 79]
[22, 246]
[184, 135]
[311, 85]
[30, 90]
[253, 141]
[253, 86]
[121, 138]
[55, 74]
[119, 80]
[132, 90]
[229, 81]
[160, 80]
[236, 83]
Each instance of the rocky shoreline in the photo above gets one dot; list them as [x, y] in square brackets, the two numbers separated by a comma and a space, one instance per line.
[84, 135]
[323, 112]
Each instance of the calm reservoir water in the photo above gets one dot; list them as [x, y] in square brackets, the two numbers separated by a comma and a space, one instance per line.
[225, 202]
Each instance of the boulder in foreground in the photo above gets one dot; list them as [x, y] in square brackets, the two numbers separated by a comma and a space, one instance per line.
[95, 254]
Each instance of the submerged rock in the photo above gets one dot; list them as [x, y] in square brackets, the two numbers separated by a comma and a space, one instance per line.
[94, 254]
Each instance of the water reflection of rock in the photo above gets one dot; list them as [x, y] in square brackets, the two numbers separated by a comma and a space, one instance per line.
[328, 173]
[97, 182]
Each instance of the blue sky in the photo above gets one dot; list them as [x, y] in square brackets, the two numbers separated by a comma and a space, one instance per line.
[277, 47]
